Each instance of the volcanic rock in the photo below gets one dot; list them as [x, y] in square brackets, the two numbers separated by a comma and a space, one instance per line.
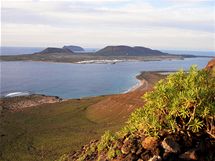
[170, 145]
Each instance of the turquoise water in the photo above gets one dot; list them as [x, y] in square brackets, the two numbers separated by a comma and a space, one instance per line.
[80, 80]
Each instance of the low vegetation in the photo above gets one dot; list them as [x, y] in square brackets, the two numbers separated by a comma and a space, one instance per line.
[180, 109]
[48, 131]
[182, 102]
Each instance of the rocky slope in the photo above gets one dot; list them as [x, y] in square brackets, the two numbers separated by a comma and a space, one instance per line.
[21, 102]
[137, 147]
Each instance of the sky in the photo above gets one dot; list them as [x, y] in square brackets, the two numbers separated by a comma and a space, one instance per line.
[158, 24]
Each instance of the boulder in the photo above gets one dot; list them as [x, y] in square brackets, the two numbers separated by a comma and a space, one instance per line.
[146, 155]
[150, 143]
[139, 151]
[130, 157]
[170, 145]
[126, 148]
[155, 158]
[189, 155]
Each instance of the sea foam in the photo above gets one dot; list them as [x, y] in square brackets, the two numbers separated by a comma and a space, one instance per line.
[14, 94]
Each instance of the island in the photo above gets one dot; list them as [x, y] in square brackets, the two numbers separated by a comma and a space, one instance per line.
[109, 54]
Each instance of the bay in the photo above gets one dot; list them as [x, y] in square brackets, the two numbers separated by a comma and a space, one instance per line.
[68, 80]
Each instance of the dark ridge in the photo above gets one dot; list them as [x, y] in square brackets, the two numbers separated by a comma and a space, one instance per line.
[50, 50]
[148, 51]
[73, 48]
[123, 50]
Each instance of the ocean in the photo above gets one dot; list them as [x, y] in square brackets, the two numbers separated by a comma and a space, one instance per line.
[81, 80]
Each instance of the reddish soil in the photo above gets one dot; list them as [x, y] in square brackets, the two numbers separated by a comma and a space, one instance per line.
[118, 107]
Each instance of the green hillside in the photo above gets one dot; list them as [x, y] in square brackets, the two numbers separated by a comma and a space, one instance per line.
[48, 131]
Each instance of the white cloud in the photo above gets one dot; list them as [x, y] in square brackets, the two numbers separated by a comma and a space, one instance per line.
[188, 1]
[152, 37]
[96, 23]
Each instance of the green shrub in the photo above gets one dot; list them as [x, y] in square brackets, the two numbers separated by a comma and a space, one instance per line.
[89, 151]
[106, 140]
[118, 152]
[64, 157]
[183, 101]
[111, 153]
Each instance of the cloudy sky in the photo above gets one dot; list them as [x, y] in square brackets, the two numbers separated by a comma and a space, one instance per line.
[161, 24]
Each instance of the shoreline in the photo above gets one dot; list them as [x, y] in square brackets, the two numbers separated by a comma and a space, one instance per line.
[99, 61]
[137, 85]
[138, 77]
[19, 103]
[94, 59]
[15, 94]
[90, 59]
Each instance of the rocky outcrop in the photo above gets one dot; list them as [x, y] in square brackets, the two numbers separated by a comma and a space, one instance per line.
[137, 147]
[170, 145]
[189, 155]
[123, 50]
[74, 48]
[211, 64]
[21, 102]
[150, 143]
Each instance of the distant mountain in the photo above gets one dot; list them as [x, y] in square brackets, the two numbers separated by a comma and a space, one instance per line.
[74, 48]
[145, 51]
[123, 50]
[108, 54]
[51, 50]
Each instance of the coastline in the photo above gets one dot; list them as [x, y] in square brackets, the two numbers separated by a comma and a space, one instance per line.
[21, 102]
[28, 94]
[137, 85]
[88, 59]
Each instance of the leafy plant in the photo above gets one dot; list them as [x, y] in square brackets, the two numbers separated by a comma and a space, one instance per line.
[118, 152]
[111, 153]
[64, 157]
[89, 151]
[184, 101]
[106, 140]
